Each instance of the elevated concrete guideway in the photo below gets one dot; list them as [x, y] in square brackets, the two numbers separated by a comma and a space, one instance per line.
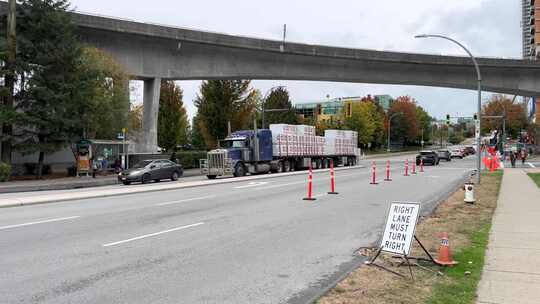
[153, 52]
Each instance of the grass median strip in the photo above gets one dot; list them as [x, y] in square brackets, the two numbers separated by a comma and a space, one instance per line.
[468, 227]
[536, 178]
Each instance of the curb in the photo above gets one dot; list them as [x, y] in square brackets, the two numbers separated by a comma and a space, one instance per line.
[19, 202]
[91, 183]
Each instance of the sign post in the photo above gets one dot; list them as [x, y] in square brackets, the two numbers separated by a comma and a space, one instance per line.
[399, 234]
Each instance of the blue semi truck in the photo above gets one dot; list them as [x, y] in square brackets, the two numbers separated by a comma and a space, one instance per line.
[254, 152]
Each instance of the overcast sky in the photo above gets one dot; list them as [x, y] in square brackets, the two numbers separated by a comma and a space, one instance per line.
[487, 27]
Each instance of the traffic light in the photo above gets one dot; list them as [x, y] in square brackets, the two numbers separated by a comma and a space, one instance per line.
[475, 116]
[447, 119]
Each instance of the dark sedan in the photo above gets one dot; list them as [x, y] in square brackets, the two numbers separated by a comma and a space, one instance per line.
[427, 157]
[148, 170]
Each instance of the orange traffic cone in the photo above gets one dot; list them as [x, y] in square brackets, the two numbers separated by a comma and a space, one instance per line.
[445, 255]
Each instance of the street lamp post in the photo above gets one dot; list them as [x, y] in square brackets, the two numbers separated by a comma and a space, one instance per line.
[389, 122]
[479, 105]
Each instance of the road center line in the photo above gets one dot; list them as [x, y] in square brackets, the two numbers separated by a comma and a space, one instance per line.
[39, 222]
[185, 200]
[152, 234]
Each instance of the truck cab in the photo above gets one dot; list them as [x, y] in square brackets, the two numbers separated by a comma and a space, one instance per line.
[242, 152]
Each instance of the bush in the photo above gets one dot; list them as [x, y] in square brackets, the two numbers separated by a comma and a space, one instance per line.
[190, 159]
[5, 172]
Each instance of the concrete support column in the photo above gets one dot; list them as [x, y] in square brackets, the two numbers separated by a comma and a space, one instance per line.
[150, 114]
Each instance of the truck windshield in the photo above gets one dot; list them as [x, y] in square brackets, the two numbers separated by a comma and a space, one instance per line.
[233, 144]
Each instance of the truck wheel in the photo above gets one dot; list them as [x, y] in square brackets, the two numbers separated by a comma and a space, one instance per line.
[286, 166]
[279, 168]
[239, 170]
[211, 176]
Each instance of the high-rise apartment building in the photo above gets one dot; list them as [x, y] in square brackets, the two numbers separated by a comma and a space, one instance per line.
[530, 24]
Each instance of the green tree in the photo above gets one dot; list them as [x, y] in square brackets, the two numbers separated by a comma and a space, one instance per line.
[278, 98]
[378, 119]
[196, 137]
[221, 101]
[424, 124]
[48, 60]
[173, 124]
[362, 121]
[102, 94]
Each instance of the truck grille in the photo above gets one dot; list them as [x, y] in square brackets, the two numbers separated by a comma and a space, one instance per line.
[217, 163]
[216, 160]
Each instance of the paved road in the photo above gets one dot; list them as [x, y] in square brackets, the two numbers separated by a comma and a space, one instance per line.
[243, 242]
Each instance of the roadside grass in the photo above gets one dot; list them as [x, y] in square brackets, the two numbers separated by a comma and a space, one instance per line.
[468, 227]
[536, 178]
[462, 288]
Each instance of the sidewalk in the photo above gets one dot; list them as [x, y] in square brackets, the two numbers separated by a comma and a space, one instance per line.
[511, 272]
[68, 183]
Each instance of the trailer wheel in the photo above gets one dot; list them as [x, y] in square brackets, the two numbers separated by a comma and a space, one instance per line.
[286, 166]
[279, 168]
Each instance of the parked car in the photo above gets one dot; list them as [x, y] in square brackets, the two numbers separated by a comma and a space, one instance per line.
[457, 153]
[427, 157]
[444, 154]
[470, 150]
[148, 170]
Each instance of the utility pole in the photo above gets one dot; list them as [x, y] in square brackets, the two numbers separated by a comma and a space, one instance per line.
[9, 80]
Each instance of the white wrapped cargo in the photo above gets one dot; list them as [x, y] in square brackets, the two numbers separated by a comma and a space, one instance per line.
[305, 130]
[340, 142]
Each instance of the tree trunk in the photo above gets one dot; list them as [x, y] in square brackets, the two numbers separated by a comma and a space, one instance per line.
[9, 81]
[40, 164]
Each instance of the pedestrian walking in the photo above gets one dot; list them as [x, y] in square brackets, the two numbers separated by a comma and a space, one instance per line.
[523, 156]
[117, 166]
[173, 158]
[94, 167]
[513, 159]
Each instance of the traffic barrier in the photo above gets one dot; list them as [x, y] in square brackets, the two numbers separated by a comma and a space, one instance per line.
[310, 186]
[406, 168]
[413, 167]
[421, 165]
[373, 174]
[332, 180]
[388, 171]
[445, 255]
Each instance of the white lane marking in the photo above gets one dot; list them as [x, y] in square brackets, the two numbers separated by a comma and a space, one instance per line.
[531, 165]
[252, 184]
[281, 185]
[39, 222]
[151, 234]
[320, 195]
[185, 200]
